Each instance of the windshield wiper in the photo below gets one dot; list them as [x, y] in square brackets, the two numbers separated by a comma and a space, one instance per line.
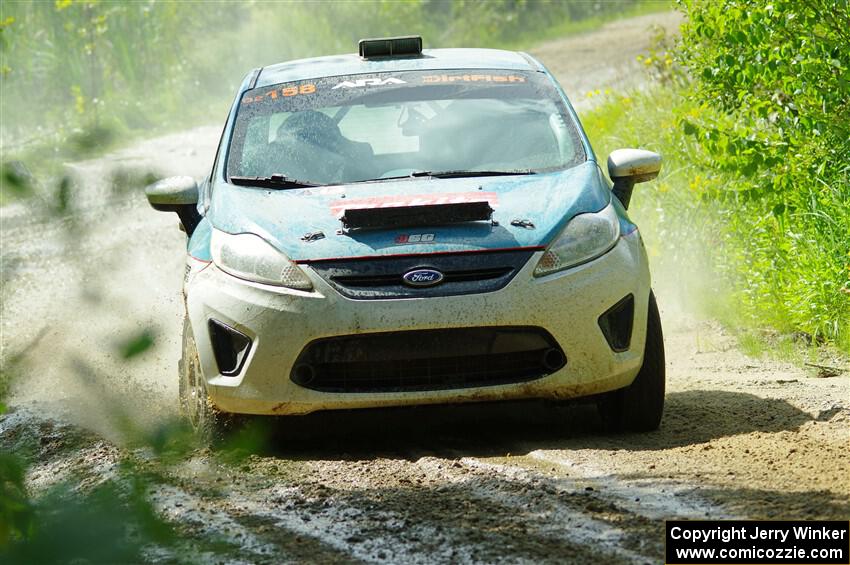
[452, 175]
[273, 181]
[461, 173]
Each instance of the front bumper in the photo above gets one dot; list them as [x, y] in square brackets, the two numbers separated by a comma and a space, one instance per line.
[281, 322]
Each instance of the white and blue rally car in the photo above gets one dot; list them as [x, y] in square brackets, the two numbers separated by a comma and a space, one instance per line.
[405, 227]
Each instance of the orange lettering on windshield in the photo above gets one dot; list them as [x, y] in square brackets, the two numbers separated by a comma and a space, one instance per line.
[286, 91]
[431, 79]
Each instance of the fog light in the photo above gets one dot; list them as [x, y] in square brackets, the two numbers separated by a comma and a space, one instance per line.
[554, 359]
[616, 324]
[230, 348]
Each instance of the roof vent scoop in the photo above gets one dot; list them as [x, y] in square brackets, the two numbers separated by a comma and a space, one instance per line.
[391, 47]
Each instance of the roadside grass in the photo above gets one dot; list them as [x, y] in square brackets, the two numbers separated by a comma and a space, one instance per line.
[774, 278]
[777, 347]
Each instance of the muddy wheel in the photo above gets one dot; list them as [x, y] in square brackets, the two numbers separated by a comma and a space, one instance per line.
[639, 406]
[208, 422]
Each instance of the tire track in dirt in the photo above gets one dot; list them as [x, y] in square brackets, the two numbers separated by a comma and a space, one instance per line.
[436, 511]
[651, 498]
[654, 501]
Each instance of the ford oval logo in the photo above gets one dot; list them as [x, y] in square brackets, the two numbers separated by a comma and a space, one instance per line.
[422, 277]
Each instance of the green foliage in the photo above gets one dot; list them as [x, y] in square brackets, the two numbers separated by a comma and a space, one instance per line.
[105, 516]
[111, 523]
[779, 74]
[784, 65]
[755, 197]
[15, 181]
[16, 512]
[137, 344]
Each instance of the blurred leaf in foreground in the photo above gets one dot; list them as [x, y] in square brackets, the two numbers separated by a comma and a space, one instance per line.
[137, 344]
[17, 181]
[16, 512]
[104, 525]
[63, 195]
[172, 440]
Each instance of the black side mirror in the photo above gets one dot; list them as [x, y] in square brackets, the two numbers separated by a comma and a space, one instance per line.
[176, 194]
[629, 166]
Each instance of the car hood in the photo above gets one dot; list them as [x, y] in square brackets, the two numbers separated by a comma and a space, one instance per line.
[284, 218]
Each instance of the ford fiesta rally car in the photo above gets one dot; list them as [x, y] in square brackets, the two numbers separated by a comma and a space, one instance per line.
[406, 227]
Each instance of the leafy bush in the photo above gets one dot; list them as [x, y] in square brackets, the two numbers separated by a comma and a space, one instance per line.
[755, 200]
[780, 75]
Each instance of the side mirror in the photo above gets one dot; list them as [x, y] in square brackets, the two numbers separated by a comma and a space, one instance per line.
[629, 166]
[176, 194]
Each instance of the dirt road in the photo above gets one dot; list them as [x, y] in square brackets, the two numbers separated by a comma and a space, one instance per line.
[513, 482]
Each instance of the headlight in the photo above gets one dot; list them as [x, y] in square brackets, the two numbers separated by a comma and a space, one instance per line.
[250, 257]
[586, 237]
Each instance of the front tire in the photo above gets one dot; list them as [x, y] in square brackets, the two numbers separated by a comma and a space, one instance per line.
[639, 406]
[207, 421]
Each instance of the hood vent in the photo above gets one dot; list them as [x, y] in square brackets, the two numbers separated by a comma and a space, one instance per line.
[414, 216]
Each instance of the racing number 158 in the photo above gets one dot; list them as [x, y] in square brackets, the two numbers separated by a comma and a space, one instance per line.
[287, 91]
[296, 90]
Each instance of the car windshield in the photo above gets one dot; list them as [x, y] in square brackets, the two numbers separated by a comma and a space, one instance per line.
[358, 128]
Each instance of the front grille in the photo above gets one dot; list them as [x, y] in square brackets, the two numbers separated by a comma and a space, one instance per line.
[463, 273]
[396, 279]
[428, 360]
